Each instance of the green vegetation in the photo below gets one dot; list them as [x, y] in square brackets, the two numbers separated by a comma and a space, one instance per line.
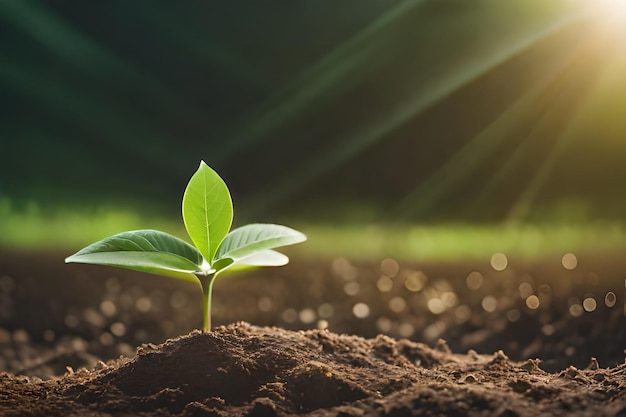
[208, 216]
[70, 229]
[30, 226]
[450, 242]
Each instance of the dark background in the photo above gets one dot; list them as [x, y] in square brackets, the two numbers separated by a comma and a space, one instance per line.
[357, 112]
[482, 110]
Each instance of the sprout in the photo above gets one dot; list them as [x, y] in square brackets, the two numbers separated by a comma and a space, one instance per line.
[208, 216]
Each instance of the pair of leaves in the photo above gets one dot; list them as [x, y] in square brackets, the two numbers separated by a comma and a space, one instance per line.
[208, 215]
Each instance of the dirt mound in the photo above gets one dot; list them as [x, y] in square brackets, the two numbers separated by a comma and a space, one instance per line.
[244, 370]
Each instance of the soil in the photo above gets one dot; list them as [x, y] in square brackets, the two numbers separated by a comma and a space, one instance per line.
[93, 341]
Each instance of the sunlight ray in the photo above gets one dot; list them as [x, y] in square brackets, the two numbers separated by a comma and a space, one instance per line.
[520, 119]
[336, 72]
[539, 109]
[365, 136]
[602, 114]
[522, 207]
[476, 153]
[580, 100]
[570, 98]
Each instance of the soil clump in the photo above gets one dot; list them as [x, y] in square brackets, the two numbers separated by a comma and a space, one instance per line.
[245, 370]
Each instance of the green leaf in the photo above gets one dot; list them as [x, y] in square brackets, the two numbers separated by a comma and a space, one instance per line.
[144, 250]
[263, 258]
[207, 210]
[247, 240]
[266, 257]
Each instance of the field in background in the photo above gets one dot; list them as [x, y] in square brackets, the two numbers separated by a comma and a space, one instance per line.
[72, 229]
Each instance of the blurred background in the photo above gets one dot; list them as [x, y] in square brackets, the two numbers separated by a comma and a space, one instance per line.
[408, 113]
[458, 167]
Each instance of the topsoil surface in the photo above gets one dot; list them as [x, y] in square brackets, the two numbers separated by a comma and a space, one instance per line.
[93, 341]
[243, 370]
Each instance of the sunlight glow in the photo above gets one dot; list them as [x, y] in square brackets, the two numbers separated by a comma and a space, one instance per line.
[614, 10]
[612, 15]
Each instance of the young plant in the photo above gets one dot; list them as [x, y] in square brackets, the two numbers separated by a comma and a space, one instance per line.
[208, 216]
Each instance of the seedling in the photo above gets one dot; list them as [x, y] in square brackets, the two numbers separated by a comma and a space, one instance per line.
[208, 216]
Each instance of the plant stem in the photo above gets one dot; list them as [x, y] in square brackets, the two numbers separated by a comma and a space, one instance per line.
[207, 290]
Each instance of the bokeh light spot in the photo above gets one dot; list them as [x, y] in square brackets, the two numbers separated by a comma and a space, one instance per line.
[307, 315]
[342, 268]
[406, 330]
[352, 288]
[474, 280]
[435, 330]
[79, 344]
[108, 308]
[610, 299]
[525, 290]
[389, 267]
[576, 310]
[5, 336]
[499, 261]
[569, 261]
[590, 304]
[49, 335]
[325, 310]
[94, 318]
[118, 329]
[462, 313]
[384, 284]
[21, 336]
[397, 304]
[106, 339]
[436, 306]
[449, 298]
[265, 304]
[384, 324]
[489, 304]
[361, 310]
[322, 325]
[532, 302]
[547, 329]
[143, 304]
[415, 281]
[290, 315]
[513, 315]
